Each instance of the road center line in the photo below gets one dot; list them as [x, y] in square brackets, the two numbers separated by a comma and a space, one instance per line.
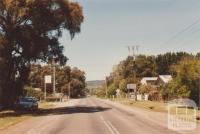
[110, 127]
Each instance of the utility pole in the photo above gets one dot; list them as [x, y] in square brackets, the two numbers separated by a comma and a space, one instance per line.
[133, 51]
[69, 86]
[106, 87]
[54, 76]
[199, 94]
[198, 58]
[45, 91]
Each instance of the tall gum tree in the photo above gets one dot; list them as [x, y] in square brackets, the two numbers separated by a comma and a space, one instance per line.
[29, 32]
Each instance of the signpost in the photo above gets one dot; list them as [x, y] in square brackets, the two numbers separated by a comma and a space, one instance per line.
[133, 87]
[47, 80]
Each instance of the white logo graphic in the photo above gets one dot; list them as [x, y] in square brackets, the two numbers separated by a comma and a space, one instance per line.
[182, 114]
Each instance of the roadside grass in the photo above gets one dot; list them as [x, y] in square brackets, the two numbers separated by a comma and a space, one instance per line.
[46, 105]
[147, 105]
[154, 106]
[11, 117]
[5, 122]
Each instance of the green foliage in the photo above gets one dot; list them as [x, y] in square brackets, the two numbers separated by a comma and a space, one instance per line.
[186, 81]
[64, 75]
[165, 61]
[198, 55]
[145, 66]
[30, 32]
[101, 91]
[77, 82]
[145, 89]
[62, 78]
[122, 85]
[183, 66]
[30, 92]
[129, 71]
[112, 90]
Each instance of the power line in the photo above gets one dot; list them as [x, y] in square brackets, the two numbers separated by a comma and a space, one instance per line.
[187, 41]
[182, 31]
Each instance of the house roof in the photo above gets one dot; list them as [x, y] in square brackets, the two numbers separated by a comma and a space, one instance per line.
[165, 78]
[145, 79]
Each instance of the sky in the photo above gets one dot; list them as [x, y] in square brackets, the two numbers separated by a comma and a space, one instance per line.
[158, 26]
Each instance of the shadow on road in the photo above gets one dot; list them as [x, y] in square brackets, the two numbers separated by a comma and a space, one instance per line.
[54, 111]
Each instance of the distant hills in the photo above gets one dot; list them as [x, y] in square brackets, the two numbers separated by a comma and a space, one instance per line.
[95, 83]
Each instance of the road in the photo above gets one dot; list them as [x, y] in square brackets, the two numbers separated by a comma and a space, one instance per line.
[93, 116]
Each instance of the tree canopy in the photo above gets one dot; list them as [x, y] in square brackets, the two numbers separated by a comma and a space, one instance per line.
[29, 32]
[186, 80]
[65, 75]
[184, 68]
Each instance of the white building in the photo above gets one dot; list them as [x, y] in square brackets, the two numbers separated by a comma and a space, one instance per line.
[161, 79]
[149, 80]
[164, 79]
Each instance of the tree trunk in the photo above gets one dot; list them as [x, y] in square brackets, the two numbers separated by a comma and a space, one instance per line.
[7, 85]
[7, 81]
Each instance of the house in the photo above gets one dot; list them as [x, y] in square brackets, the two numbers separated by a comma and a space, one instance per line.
[37, 89]
[153, 84]
[149, 80]
[161, 79]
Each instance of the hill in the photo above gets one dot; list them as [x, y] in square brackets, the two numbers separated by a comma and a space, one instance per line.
[95, 83]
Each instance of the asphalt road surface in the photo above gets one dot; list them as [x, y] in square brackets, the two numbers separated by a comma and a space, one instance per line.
[94, 116]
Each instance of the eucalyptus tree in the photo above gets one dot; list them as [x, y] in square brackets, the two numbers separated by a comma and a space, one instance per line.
[30, 32]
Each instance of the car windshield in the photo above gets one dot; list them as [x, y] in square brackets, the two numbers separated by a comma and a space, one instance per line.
[27, 100]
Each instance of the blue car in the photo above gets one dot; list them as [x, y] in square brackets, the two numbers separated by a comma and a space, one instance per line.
[27, 103]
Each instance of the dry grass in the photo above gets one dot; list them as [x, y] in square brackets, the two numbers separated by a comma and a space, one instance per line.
[154, 106]
[9, 121]
[11, 117]
[147, 105]
[46, 105]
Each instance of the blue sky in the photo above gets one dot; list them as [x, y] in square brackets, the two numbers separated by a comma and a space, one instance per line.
[111, 25]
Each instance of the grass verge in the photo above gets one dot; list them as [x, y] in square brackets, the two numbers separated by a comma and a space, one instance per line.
[152, 106]
[11, 117]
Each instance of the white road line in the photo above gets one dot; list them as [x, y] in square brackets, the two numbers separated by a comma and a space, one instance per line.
[109, 128]
[116, 131]
[109, 125]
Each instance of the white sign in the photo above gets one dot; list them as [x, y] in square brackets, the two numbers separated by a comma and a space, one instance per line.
[47, 79]
[131, 86]
[146, 97]
[139, 97]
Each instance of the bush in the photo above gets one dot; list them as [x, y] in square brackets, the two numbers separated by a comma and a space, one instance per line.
[30, 92]
[112, 90]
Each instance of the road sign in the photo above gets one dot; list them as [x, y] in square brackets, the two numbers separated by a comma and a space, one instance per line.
[47, 79]
[131, 86]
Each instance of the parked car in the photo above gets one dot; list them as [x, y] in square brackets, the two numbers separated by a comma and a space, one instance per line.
[27, 103]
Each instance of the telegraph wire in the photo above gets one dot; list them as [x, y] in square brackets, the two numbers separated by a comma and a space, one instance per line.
[183, 31]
